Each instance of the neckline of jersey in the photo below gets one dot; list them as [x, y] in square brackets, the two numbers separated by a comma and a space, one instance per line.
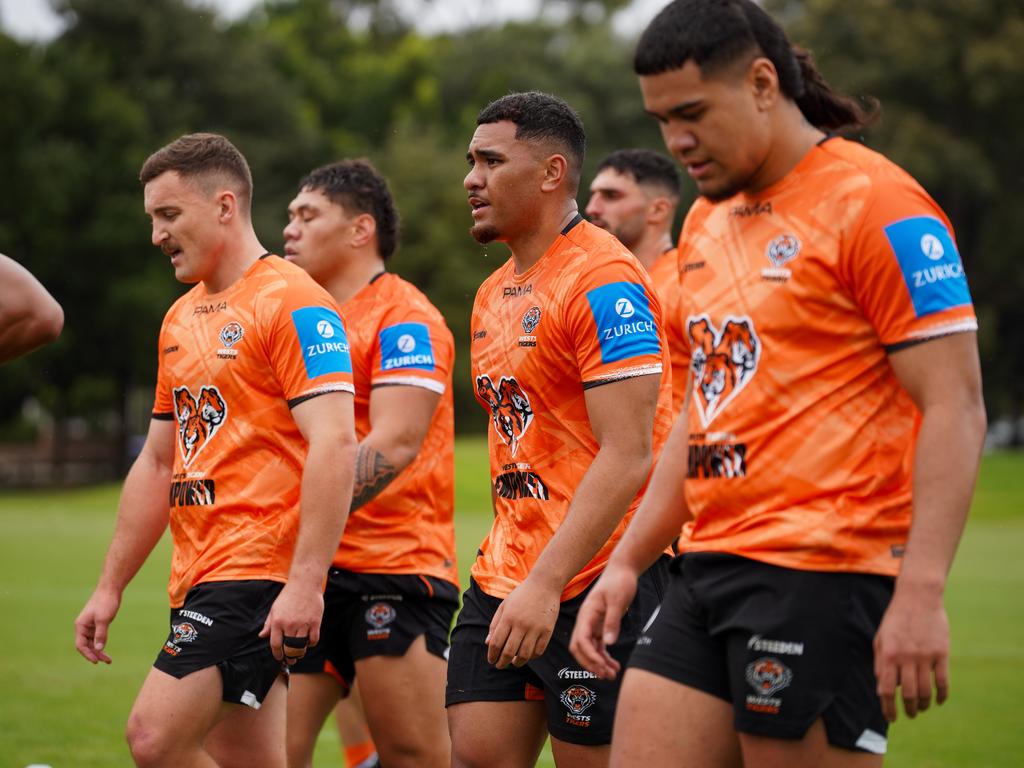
[556, 245]
[806, 162]
[237, 284]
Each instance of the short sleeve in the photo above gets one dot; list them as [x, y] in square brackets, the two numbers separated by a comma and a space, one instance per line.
[904, 269]
[614, 321]
[163, 407]
[413, 348]
[306, 342]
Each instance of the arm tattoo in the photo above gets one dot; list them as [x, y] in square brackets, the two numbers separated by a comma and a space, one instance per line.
[373, 473]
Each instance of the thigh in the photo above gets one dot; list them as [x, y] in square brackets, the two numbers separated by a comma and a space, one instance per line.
[496, 734]
[311, 697]
[172, 716]
[252, 738]
[660, 723]
[403, 697]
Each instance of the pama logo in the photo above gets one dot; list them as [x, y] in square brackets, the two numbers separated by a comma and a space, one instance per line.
[184, 632]
[768, 675]
[198, 419]
[380, 615]
[578, 699]
[510, 408]
[724, 361]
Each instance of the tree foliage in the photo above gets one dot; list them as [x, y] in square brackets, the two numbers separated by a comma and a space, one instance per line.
[303, 82]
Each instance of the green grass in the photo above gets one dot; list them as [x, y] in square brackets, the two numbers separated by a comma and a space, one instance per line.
[58, 710]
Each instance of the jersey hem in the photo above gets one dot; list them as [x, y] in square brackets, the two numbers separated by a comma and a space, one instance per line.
[321, 391]
[410, 381]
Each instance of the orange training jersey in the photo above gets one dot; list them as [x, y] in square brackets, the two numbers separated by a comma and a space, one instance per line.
[802, 439]
[232, 365]
[584, 315]
[665, 276]
[399, 338]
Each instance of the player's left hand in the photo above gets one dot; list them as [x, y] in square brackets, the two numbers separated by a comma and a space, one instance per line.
[912, 647]
[522, 625]
[293, 624]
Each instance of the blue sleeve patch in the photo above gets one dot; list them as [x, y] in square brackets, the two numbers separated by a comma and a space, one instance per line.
[930, 264]
[406, 345]
[625, 325]
[323, 340]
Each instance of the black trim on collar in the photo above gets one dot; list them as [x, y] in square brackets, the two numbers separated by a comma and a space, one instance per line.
[376, 277]
[268, 253]
[828, 135]
[576, 220]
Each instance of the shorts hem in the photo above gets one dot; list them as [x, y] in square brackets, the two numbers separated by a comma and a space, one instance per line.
[467, 697]
[638, 662]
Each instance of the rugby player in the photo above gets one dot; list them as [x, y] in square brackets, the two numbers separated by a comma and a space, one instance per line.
[393, 585]
[570, 362]
[634, 196]
[832, 438]
[252, 442]
[29, 316]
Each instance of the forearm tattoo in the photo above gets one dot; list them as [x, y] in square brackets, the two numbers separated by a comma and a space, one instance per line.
[373, 473]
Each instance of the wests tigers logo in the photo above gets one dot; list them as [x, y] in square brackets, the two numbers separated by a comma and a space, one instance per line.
[198, 420]
[510, 408]
[578, 699]
[723, 361]
[184, 632]
[768, 675]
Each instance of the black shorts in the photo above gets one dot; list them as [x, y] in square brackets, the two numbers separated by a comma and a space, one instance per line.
[378, 614]
[580, 708]
[219, 625]
[784, 646]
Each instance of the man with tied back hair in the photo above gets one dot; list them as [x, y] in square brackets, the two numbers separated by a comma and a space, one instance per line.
[832, 436]
[569, 360]
[252, 441]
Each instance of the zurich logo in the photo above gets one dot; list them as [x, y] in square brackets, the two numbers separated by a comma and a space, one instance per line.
[624, 308]
[406, 343]
[932, 247]
[324, 329]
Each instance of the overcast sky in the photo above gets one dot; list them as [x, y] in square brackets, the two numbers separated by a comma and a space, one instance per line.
[33, 19]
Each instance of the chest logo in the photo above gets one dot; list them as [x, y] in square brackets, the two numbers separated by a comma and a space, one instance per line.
[231, 334]
[531, 320]
[723, 363]
[199, 419]
[510, 408]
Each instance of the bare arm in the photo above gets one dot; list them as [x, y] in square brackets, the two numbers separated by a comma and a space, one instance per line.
[29, 316]
[657, 522]
[622, 417]
[400, 417]
[328, 425]
[943, 377]
[141, 519]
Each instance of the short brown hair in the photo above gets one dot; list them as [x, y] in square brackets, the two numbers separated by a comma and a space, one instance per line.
[200, 156]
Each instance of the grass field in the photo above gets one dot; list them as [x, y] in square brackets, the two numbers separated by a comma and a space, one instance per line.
[56, 709]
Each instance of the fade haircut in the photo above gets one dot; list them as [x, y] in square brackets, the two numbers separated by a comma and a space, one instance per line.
[358, 187]
[647, 167]
[542, 117]
[206, 159]
[718, 34]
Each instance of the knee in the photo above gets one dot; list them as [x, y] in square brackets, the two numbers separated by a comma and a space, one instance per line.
[149, 745]
[410, 753]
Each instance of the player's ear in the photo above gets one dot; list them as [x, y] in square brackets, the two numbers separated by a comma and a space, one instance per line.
[556, 169]
[227, 206]
[659, 209]
[763, 81]
[364, 228]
